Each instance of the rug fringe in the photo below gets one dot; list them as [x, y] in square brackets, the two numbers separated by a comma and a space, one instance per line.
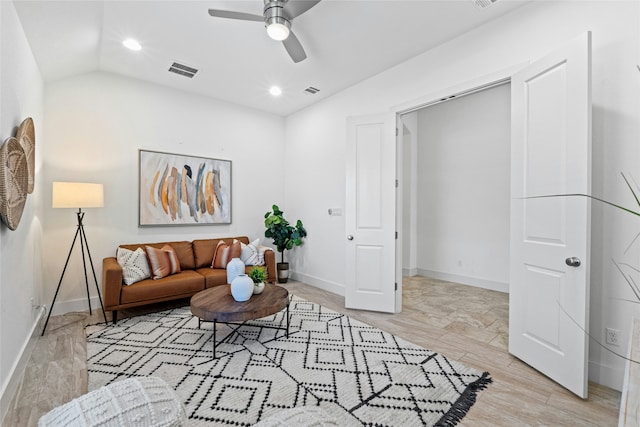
[466, 400]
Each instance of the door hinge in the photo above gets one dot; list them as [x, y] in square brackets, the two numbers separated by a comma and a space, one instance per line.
[397, 183]
[396, 235]
[397, 131]
[396, 286]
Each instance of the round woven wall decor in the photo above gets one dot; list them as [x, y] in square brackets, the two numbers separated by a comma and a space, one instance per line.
[14, 181]
[26, 135]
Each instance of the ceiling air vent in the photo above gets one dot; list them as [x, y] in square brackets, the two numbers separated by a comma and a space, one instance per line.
[183, 70]
[484, 3]
[312, 90]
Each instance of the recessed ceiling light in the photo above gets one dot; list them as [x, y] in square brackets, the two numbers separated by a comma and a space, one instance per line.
[132, 44]
[275, 91]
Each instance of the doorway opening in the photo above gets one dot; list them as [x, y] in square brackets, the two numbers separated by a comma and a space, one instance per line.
[454, 164]
[456, 189]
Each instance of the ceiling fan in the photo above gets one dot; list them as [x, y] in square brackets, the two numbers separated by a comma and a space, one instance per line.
[277, 17]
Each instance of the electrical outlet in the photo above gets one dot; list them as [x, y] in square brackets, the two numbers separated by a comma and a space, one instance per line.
[613, 336]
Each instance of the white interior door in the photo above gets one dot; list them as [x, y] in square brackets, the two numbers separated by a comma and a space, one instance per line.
[551, 154]
[370, 213]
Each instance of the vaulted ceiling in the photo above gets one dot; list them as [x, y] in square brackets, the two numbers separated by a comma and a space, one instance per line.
[346, 42]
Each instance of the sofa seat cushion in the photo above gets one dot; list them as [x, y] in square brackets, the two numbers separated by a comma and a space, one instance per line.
[213, 276]
[181, 283]
[184, 250]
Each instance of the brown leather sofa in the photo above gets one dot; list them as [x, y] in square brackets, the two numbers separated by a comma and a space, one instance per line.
[196, 275]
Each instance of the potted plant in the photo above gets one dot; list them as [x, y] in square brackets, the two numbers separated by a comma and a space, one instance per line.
[284, 235]
[259, 275]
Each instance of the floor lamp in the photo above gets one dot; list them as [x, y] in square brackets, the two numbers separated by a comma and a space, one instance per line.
[78, 195]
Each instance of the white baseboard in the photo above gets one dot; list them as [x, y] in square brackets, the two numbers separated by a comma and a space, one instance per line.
[325, 285]
[609, 376]
[16, 373]
[409, 272]
[62, 307]
[339, 289]
[465, 280]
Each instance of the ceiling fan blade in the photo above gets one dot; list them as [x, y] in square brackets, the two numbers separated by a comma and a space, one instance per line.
[295, 8]
[294, 48]
[235, 15]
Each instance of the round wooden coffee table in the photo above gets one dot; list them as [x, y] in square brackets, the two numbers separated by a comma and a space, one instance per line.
[218, 306]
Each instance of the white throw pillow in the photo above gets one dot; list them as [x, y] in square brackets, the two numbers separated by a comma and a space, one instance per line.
[249, 253]
[135, 266]
[261, 251]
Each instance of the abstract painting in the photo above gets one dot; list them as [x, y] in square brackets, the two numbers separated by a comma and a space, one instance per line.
[183, 190]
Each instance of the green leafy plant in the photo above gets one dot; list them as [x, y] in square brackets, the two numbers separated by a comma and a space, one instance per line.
[258, 275]
[598, 198]
[284, 235]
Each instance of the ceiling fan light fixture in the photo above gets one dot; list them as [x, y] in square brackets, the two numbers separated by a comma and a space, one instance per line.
[278, 28]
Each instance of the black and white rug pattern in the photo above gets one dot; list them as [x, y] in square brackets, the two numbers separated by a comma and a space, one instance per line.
[356, 373]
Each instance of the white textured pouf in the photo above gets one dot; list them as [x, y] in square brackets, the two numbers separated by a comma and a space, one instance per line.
[140, 401]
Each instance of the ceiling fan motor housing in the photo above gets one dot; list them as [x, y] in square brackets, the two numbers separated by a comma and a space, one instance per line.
[274, 13]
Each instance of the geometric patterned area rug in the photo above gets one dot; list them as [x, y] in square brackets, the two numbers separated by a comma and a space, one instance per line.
[356, 373]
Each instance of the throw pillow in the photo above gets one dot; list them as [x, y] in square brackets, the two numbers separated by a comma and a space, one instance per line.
[235, 249]
[249, 254]
[135, 266]
[225, 253]
[261, 251]
[164, 261]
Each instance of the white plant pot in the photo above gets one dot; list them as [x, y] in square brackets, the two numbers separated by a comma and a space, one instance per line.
[258, 288]
[242, 288]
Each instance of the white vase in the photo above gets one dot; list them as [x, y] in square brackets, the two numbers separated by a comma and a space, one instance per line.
[242, 288]
[234, 267]
[258, 288]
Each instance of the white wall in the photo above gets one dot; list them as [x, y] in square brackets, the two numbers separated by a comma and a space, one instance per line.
[95, 124]
[409, 184]
[315, 136]
[21, 94]
[464, 189]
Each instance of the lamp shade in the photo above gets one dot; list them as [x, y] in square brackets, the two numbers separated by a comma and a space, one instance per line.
[77, 195]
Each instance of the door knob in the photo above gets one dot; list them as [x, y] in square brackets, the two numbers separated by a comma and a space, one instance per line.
[349, 237]
[573, 262]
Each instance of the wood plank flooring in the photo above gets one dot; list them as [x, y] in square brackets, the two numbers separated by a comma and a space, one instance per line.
[464, 323]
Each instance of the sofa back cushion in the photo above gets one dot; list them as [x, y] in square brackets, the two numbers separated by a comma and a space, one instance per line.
[184, 251]
[204, 249]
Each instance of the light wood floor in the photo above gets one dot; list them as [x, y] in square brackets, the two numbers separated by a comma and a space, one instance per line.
[463, 323]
